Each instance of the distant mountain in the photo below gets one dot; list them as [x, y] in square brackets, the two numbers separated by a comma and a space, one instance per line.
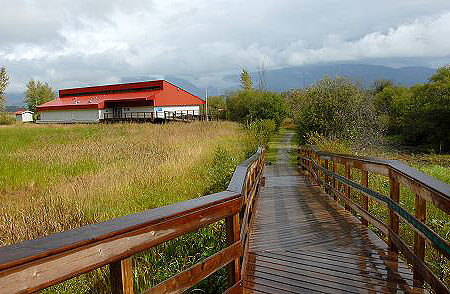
[287, 78]
[301, 76]
[182, 83]
[14, 99]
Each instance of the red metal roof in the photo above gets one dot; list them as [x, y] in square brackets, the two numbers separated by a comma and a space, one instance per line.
[19, 111]
[162, 94]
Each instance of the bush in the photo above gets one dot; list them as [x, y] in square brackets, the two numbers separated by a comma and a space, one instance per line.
[336, 108]
[262, 130]
[6, 119]
[419, 114]
[247, 106]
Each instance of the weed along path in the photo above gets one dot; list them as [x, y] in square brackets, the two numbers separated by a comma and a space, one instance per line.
[303, 242]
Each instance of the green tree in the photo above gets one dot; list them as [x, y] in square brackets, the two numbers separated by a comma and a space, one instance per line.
[4, 82]
[217, 106]
[336, 108]
[428, 113]
[248, 106]
[246, 80]
[38, 93]
[379, 85]
[392, 103]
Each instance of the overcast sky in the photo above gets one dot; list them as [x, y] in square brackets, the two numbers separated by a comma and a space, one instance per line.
[74, 43]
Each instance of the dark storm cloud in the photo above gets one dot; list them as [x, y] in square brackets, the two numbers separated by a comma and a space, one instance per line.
[89, 42]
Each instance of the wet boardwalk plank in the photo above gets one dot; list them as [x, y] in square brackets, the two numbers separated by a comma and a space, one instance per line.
[302, 242]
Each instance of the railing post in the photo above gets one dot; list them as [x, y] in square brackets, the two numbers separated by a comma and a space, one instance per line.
[348, 175]
[335, 197]
[232, 227]
[419, 241]
[121, 276]
[365, 198]
[327, 190]
[394, 194]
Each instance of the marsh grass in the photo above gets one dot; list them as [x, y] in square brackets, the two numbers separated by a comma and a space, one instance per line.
[55, 178]
[434, 165]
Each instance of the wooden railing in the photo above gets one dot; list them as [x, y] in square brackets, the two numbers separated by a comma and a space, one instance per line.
[36, 264]
[180, 115]
[130, 115]
[324, 169]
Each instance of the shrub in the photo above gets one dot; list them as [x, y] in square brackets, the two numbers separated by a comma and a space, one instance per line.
[419, 114]
[336, 108]
[247, 106]
[262, 130]
[6, 119]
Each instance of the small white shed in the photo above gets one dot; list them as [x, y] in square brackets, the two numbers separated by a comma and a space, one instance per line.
[24, 116]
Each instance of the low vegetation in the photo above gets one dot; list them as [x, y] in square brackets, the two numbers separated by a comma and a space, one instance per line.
[54, 178]
[417, 116]
[385, 121]
[7, 119]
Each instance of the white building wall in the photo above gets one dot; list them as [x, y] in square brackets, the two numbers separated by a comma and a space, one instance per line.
[69, 116]
[27, 116]
[159, 110]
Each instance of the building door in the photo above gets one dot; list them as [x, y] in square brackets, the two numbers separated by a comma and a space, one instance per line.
[117, 112]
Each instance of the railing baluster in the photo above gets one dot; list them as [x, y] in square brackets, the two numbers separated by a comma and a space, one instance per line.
[326, 176]
[121, 276]
[335, 195]
[348, 175]
[365, 198]
[419, 241]
[232, 227]
[394, 194]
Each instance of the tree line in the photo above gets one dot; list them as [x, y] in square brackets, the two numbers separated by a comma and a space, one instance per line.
[339, 108]
[36, 93]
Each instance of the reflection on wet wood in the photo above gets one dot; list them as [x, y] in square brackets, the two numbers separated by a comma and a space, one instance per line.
[302, 242]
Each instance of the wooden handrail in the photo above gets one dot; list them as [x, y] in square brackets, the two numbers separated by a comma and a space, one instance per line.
[424, 187]
[36, 264]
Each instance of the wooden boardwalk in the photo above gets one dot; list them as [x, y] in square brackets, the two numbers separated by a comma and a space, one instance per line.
[302, 242]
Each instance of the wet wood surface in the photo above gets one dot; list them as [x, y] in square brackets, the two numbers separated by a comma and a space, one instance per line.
[303, 242]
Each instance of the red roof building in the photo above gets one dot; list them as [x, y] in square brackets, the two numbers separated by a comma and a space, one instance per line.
[93, 104]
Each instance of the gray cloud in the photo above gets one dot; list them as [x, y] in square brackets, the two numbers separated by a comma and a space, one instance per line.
[89, 42]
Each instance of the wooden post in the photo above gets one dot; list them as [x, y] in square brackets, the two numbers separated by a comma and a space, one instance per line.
[232, 227]
[365, 198]
[419, 241]
[319, 170]
[348, 175]
[335, 195]
[327, 180]
[394, 194]
[121, 276]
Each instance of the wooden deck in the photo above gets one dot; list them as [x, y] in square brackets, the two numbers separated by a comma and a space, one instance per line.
[302, 242]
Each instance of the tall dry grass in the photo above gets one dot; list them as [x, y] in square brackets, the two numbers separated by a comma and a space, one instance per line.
[54, 178]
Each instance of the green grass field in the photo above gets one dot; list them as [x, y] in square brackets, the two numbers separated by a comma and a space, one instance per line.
[55, 177]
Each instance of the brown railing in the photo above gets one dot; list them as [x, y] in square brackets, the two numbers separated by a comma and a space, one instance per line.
[180, 115]
[324, 169]
[130, 115]
[36, 264]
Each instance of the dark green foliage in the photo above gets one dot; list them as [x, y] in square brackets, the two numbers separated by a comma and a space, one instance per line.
[4, 82]
[38, 93]
[262, 130]
[246, 80]
[335, 108]
[217, 106]
[221, 170]
[248, 106]
[420, 114]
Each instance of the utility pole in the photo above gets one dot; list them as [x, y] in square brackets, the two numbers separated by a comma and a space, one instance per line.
[206, 104]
